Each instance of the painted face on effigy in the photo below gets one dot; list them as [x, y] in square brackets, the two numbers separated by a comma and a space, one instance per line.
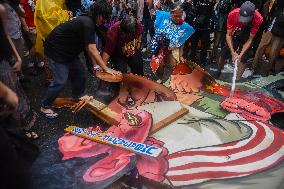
[137, 90]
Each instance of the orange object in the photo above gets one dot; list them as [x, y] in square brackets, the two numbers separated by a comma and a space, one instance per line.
[181, 69]
[281, 53]
[267, 50]
[108, 77]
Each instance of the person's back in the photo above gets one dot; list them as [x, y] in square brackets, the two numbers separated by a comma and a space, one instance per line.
[69, 39]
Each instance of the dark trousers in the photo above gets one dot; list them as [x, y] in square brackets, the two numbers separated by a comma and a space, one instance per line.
[148, 25]
[135, 62]
[73, 70]
[204, 36]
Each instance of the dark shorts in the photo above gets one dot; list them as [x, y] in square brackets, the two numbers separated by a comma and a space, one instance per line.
[226, 53]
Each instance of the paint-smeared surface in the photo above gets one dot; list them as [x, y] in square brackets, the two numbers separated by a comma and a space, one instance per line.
[239, 149]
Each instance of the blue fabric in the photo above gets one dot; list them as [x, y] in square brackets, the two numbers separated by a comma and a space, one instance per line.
[176, 34]
[87, 3]
[158, 42]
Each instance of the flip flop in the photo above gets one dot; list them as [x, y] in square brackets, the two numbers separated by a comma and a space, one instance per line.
[50, 115]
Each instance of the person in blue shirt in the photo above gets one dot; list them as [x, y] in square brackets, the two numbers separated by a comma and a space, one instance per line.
[170, 35]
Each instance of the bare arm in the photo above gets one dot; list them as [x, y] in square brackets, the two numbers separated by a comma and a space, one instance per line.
[229, 40]
[181, 53]
[157, 4]
[105, 57]
[3, 16]
[8, 96]
[96, 58]
[230, 44]
[24, 24]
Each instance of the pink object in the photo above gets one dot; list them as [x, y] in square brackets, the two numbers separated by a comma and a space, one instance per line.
[153, 168]
[134, 125]
[248, 110]
[187, 83]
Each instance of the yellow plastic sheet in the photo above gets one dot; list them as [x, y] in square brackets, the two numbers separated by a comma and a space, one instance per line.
[48, 15]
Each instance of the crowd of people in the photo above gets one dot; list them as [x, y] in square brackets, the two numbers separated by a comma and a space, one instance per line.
[112, 36]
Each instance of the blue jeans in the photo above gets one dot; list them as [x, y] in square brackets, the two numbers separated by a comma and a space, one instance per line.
[148, 25]
[73, 70]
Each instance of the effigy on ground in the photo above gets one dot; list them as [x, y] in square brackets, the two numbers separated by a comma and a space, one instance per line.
[205, 138]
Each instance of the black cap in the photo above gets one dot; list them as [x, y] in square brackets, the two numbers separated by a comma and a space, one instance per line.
[246, 12]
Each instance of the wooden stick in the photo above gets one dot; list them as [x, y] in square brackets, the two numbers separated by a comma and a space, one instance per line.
[75, 106]
[161, 124]
[82, 105]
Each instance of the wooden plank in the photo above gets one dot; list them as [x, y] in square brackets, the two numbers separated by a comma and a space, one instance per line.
[106, 115]
[163, 123]
[97, 108]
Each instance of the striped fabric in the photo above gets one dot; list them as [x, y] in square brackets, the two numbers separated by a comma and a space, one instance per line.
[262, 150]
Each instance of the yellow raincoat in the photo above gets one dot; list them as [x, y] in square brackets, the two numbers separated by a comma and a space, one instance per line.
[48, 15]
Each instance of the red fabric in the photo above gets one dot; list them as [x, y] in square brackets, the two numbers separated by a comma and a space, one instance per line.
[181, 22]
[122, 45]
[233, 21]
[28, 12]
[181, 69]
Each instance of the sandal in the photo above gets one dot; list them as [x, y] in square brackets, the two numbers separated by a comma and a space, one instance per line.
[48, 113]
[32, 135]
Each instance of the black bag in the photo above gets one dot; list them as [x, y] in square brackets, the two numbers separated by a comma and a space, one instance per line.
[278, 27]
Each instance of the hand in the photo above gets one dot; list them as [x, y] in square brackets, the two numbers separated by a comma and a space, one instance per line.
[235, 56]
[97, 68]
[112, 72]
[12, 99]
[26, 29]
[158, 4]
[181, 59]
[17, 66]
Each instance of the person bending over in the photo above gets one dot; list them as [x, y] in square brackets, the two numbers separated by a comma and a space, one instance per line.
[123, 46]
[62, 48]
[171, 32]
[242, 25]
